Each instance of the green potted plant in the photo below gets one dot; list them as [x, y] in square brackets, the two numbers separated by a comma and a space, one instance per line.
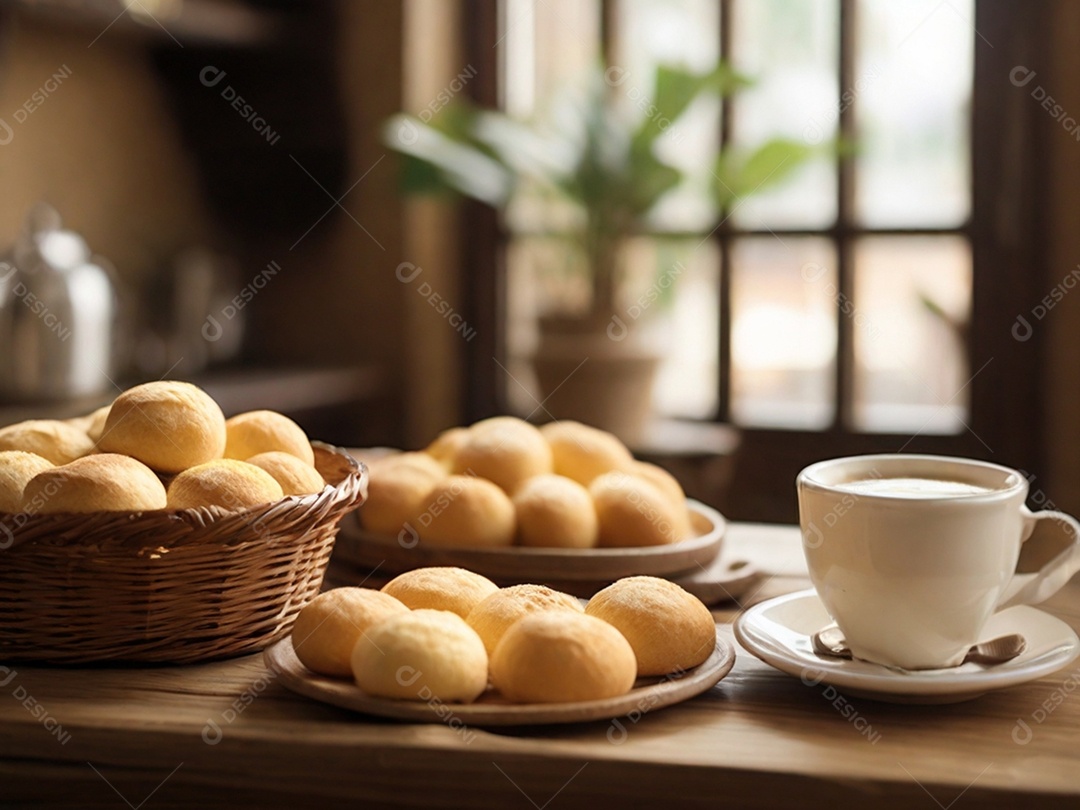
[591, 175]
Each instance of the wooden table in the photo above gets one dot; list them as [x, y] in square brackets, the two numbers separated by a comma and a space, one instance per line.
[227, 734]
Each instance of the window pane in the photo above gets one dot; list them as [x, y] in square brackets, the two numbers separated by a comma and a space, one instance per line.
[545, 47]
[673, 296]
[681, 32]
[685, 33]
[912, 302]
[789, 47]
[783, 332]
[542, 276]
[915, 60]
[670, 299]
[549, 50]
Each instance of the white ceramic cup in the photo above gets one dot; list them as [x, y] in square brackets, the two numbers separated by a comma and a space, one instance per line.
[911, 580]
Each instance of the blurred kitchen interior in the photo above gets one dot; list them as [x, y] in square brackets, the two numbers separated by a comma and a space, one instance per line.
[231, 161]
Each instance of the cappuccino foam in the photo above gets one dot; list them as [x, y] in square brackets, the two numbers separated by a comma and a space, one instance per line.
[912, 487]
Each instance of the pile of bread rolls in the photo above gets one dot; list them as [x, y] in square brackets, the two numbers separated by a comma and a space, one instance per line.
[447, 633]
[161, 445]
[503, 481]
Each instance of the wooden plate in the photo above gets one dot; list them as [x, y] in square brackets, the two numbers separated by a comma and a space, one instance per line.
[519, 564]
[491, 709]
[725, 579]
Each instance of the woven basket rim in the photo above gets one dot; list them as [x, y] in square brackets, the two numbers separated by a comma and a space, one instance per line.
[66, 527]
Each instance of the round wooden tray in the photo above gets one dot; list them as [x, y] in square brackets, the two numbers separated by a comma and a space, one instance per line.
[491, 709]
[359, 547]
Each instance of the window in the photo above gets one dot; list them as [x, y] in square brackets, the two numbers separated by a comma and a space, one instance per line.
[839, 312]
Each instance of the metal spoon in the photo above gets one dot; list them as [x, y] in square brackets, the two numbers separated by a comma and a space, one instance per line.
[830, 642]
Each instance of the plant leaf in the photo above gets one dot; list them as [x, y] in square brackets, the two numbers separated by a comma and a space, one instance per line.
[460, 165]
[649, 181]
[726, 81]
[739, 174]
[676, 90]
[420, 177]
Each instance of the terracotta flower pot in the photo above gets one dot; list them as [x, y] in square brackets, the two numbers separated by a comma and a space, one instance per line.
[587, 375]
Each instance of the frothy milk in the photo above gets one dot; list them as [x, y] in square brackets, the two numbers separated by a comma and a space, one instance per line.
[911, 487]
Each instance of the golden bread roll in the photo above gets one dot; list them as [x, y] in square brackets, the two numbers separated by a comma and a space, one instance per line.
[562, 658]
[669, 628]
[446, 446]
[659, 478]
[296, 477]
[441, 588]
[670, 487]
[421, 462]
[52, 439]
[104, 482]
[556, 511]
[493, 616]
[505, 450]
[421, 655]
[632, 512]
[582, 452]
[226, 483]
[167, 425]
[466, 512]
[329, 626]
[254, 432]
[92, 424]
[16, 470]
[395, 498]
[96, 422]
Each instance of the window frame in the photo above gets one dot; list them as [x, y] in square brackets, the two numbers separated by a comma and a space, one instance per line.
[1009, 173]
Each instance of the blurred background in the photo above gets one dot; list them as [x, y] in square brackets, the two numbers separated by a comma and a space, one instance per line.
[889, 265]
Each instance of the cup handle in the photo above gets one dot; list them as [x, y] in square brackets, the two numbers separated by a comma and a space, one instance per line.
[1049, 557]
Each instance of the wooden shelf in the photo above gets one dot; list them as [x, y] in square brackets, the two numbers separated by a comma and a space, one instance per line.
[289, 390]
[221, 23]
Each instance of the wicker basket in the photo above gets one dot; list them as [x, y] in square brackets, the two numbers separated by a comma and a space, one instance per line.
[170, 586]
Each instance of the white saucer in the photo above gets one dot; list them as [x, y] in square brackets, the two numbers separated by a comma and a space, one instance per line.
[778, 632]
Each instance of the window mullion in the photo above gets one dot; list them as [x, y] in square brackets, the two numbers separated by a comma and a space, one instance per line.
[609, 44]
[723, 235]
[845, 188]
